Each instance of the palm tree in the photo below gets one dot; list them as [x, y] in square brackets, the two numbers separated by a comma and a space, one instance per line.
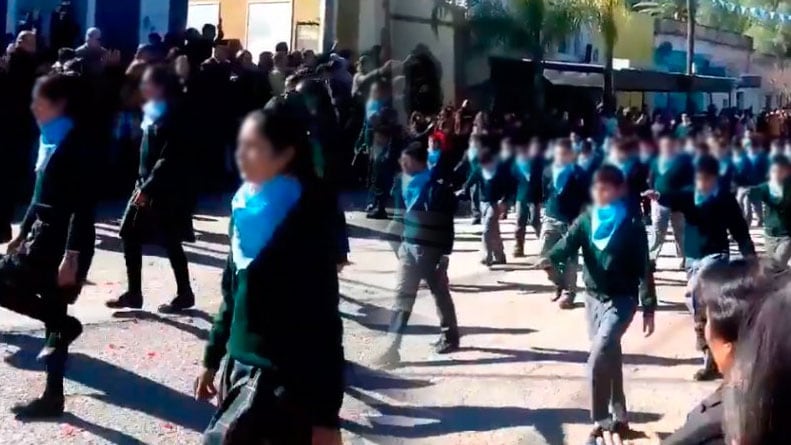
[604, 15]
[528, 26]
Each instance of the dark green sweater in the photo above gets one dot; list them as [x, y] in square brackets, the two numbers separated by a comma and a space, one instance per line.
[777, 221]
[492, 190]
[680, 174]
[707, 226]
[569, 203]
[614, 272]
[430, 221]
[524, 190]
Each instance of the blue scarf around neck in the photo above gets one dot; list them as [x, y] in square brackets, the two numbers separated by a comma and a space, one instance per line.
[775, 189]
[523, 165]
[725, 164]
[560, 176]
[702, 198]
[52, 135]
[624, 166]
[257, 212]
[663, 163]
[412, 187]
[605, 220]
[433, 157]
[153, 111]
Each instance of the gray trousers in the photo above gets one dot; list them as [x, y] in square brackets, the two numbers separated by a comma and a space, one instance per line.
[475, 202]
[750, 206]
[417, 263]
[607, 322]
[779, 249]
[553, 231]
[662, 219]
[527, 213]
[491, 240]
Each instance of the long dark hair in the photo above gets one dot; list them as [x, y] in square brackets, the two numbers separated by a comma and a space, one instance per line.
[758, 397]
[284, 121]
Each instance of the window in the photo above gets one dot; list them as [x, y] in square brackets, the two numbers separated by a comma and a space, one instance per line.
[200, 14]
[267, 25]
[768, 102]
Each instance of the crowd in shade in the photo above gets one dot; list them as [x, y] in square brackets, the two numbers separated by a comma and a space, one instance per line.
[80, 125]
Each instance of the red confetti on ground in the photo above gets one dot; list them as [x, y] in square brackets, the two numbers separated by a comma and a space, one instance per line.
[68, 430]
[168, 426]
[151, 354]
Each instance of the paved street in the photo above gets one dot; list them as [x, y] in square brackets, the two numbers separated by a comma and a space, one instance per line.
[518, 380]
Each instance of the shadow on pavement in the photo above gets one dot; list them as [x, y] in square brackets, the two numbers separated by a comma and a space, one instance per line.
[172, 321]
[545, 354]
[378, 318]
[400, 422]
[118, 386]
[79, 425]
[501, 286]
[114, 244]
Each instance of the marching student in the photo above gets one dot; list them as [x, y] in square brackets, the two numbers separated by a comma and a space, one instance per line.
[278, 322]
[492, 182]
[615, 252]
[565, 196]
[711, 215]
[743, 180]
[438, 160]
[527, 172]
[672, 170]
[159, 211]
[775, 195]
[470, 163]
[588, 159]
[425, 206]
[760, 172]
[721, 151]
[46, 264]
[625, 156]
[386, 142]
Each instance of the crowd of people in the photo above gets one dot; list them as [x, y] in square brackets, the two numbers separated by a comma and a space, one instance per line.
[311, 124]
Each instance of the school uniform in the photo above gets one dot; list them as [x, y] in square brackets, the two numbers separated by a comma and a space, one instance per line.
[525, 194]
[279, 323]
[667, 175]
[615, 261]
[743, 179]
[164, 177]
[708, 223]
[777, 225]
[464, 170]
[564, 200]
[590, 164]
[60, 218]
[726, 175]
[493, 189]
[760, 173]
[423, 228]
[703, 425]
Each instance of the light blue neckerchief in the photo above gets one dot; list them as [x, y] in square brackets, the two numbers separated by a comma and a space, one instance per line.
[624, 166]
[523, 165]
[433, 157]
[725, 164]
[775, 190]
[560, 176]
[753, 156]
[372, 107]
[702, 198]
[258, 213]
[585, 161]
[412, 186]
[472, 153]
[52, 135]
[488, 173]
[576, 146]
[605, 220]
[739, 160]
[663, 163]
[153, 111]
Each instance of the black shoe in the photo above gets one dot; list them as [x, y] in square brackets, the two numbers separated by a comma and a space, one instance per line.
[446, 345]
[499, 262]
[45, 407]
[60, 341]
[558, 294]
[622, 429]
[709, 371]
[567, 301]
[370, 208]
[594, 436]
[388, 360]
[179, 304]
[519, 252]
[376, 214]
[476, 221]
[128, 300]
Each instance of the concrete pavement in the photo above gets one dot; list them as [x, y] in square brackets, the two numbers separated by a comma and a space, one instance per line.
[519, 378]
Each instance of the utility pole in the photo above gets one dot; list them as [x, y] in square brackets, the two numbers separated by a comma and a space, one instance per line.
[691, 14]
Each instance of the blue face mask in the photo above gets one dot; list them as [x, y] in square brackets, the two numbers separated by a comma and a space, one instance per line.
[433, 157]
[775, 189]
[604, 222]
[257, 212]
[153, 111]
[585, 161]
[372, 107]
[52, 135]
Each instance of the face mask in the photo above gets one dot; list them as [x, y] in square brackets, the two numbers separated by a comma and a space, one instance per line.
[506, 155]
[472, 153]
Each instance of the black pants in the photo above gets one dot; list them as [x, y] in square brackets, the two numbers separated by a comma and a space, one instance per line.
[133, 255]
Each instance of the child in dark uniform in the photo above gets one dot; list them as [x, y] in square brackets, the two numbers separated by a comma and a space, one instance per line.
[775, 195]
[615, 251]
[527, 173]
[711, 215]
[47, 263]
